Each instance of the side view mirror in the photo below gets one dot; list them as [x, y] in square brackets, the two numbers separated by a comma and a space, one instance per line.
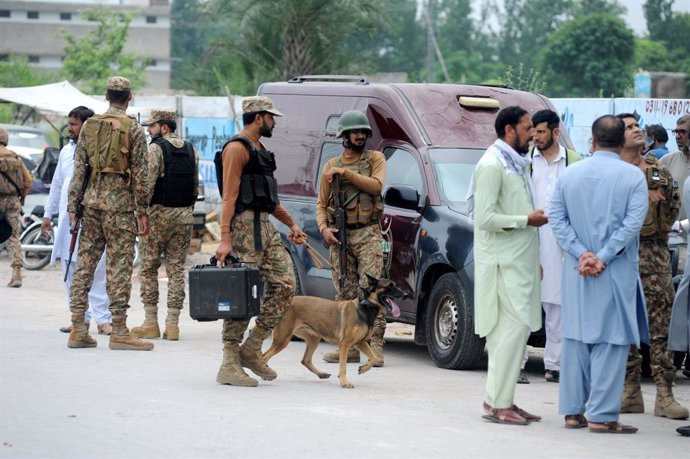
[403, 196]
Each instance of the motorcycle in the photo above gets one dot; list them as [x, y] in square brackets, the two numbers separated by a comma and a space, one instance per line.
[37, 248]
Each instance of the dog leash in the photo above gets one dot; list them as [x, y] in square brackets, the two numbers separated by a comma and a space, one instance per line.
[319, 260]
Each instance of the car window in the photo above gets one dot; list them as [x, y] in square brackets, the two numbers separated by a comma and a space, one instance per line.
[328, 150]
[402, 167]
[26, 139]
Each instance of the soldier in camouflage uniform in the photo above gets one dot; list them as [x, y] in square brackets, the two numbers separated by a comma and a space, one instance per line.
[657, 282]
[114, 146]
[173, 186]
[361, 174]
[250, 195]
[15, 183]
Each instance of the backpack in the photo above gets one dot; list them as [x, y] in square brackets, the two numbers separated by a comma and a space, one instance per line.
[218, 159]
[106, 140]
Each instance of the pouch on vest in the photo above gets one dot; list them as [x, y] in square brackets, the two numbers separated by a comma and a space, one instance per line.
[11, 178]
[106, 140]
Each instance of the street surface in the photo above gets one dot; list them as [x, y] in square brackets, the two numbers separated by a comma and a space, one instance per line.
[57, 402]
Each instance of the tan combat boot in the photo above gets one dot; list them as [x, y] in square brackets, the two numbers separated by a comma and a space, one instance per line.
[250, 354]
[231, 372]
[16, 280]
[149, 329]
[376, 343]
[121, 339]
[172, 328]
[79, 334]
[666, 406]
[632, 401]
[334, 357]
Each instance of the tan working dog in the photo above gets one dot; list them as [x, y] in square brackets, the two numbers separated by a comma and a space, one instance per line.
[345, 323]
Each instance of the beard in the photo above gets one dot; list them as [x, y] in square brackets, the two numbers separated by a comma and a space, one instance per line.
[265, 131]
[522, 150]
[547, 145]
[358, 147]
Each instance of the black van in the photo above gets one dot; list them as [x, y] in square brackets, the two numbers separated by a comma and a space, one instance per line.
[432, 135]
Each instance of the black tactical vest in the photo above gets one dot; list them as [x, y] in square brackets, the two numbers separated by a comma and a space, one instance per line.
[176, 187]
[258, 187]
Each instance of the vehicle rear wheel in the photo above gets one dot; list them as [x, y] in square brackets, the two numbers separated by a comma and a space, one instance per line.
[450, 333]
[36, 260]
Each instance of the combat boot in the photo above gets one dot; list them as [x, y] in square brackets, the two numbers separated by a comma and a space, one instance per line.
[121, 339]
[632, 401]
[250, 354]
[149, 329]
[79, 335]
[666, 406]
[231, 372]
[334, 357]
[16, 280]
[172, 328]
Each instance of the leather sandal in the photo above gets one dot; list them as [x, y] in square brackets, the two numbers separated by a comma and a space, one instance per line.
[611, 427]
[503, 416]
[575, 421]
[528, 416]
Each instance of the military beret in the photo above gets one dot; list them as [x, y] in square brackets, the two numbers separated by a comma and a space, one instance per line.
[118, 83]
[259, 104]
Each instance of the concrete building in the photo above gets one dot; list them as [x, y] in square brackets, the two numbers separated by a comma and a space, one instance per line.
[32, 29]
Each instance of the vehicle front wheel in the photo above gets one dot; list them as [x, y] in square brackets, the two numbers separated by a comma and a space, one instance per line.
[450, 333]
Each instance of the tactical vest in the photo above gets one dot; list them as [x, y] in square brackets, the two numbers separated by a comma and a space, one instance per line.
[106, 139]
[11, 168]
[360, 208]
[258, 187]
[176, 187]
[662, 214]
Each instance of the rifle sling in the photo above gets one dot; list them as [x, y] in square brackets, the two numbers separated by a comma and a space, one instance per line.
[14, 184]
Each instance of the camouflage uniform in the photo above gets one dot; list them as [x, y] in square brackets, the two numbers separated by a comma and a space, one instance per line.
[109, 222]
[10, 203]
[170, 234]
[657, 282]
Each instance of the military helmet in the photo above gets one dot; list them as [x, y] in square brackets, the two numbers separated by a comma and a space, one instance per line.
[351, 121]
[4, 137]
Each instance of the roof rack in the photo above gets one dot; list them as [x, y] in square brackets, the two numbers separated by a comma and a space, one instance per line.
[357, 79]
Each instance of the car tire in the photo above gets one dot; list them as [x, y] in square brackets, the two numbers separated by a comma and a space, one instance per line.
[36, 260]
[449, 321]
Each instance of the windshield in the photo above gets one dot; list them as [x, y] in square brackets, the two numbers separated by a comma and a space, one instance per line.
[453, 168]
[26, 139]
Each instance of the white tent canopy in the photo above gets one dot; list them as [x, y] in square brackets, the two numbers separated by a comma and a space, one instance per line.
[58, 98]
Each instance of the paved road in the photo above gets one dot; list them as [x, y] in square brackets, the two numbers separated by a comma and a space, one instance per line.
[87, 403]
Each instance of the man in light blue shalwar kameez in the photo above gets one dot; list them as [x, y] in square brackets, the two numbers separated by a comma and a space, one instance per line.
[597, 210]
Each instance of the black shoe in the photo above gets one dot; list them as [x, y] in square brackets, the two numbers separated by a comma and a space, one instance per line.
[522, 378]
[684, 431]
[552, 375]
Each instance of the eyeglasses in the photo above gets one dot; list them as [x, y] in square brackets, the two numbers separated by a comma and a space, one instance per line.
[680, 131]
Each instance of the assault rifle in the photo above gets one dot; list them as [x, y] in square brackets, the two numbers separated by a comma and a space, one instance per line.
[341, 225]
[74, 230]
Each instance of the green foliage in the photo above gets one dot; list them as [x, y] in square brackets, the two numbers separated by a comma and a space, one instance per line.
[653, 56]
[657, 13]
[16, 72]
[529, 81]
[98, 54]
[588, 56]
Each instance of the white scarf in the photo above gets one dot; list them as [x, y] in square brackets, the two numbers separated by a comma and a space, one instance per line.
[513, 162]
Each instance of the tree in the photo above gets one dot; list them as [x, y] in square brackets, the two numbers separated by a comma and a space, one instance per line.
[588, 57]
[657, 13]
[98, 54]
[16, 72]
[653, 56]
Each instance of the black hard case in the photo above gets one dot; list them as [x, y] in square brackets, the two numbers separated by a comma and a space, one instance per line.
[231, 292]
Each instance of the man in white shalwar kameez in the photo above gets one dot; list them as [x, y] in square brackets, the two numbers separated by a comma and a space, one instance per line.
[506, 252]
[57, 204]
[597, 210]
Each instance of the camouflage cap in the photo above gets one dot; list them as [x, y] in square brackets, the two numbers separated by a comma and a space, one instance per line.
[4, 137]
[159, 115]
[118, 83]
[259, 104]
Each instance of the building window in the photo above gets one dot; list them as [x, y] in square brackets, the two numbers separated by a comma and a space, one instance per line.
[4, 13]
[151, 19]
[65, 16]
[33, 59]
[32, 14]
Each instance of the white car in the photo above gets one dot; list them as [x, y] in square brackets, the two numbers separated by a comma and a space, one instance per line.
[26, 141]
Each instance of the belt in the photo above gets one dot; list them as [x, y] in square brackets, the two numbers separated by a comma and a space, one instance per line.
[361, 225]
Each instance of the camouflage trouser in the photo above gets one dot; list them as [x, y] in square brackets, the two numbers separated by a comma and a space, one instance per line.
[364, 255]
[172, 239]
[275, 269]
[116, 233]
[657, 282]
[11, 207]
